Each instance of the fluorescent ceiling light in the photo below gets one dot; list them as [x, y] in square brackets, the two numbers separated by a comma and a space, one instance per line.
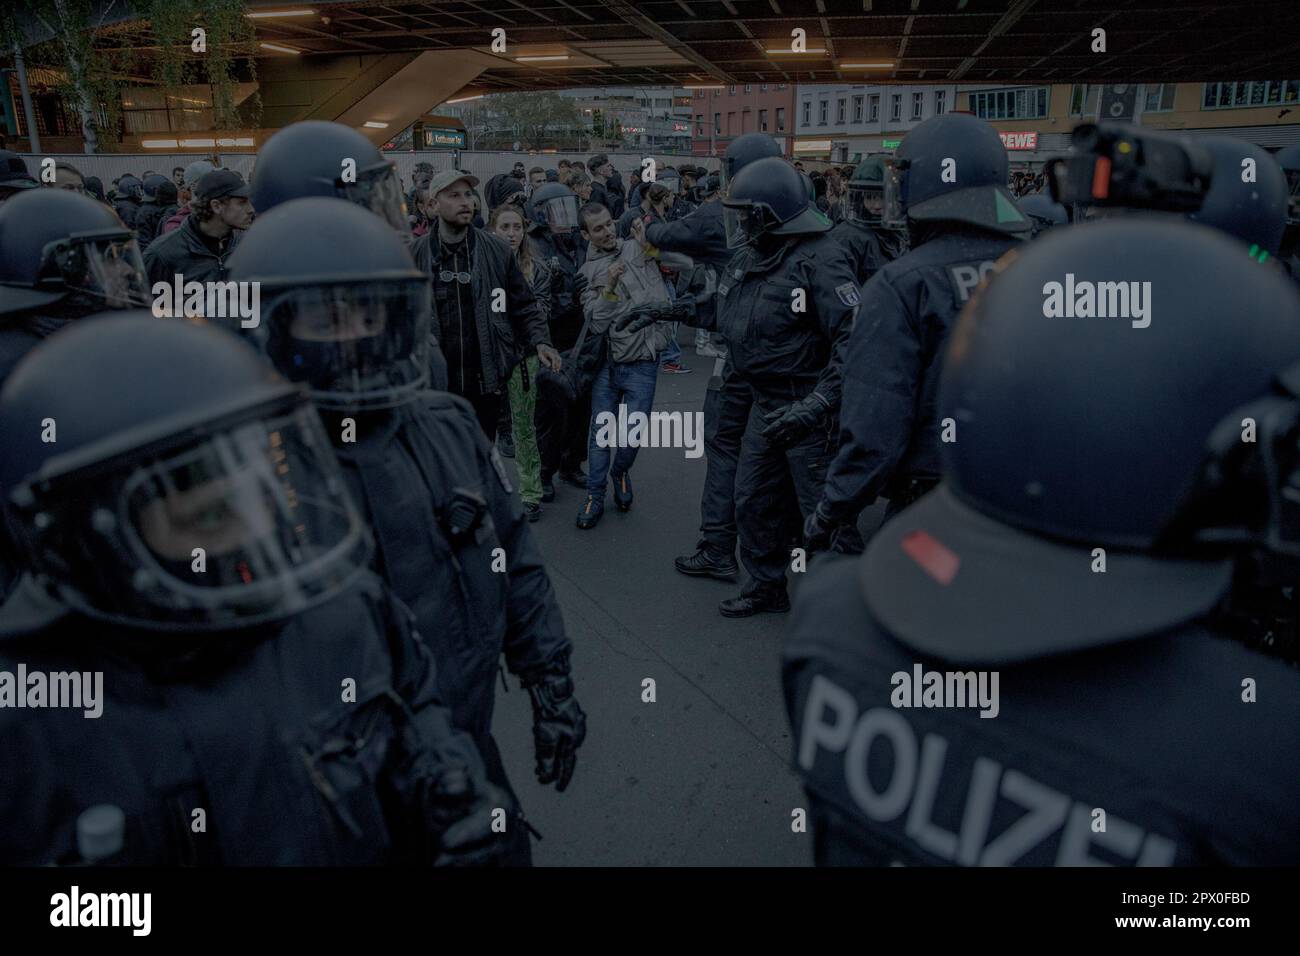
[158, 143]
[540, 59]
[277, 48]
[271, 14]
[197, 143]
[886, 65]
[795, 52]
[374, 124]
[466, 99]
[718, 87]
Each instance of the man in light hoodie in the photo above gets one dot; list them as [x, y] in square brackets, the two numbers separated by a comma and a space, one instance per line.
[622, 277]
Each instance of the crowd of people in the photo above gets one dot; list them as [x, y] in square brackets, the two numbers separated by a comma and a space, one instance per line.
[312, 505]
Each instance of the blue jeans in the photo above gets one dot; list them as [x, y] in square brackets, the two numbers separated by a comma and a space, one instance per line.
[617, 383]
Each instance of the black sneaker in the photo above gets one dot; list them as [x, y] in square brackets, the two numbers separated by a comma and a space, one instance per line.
[756, 602]
[506, 444]
[577, 477]
[623, 491]
[532, 510]
[548, 489]
[708, 564]
[590, 514]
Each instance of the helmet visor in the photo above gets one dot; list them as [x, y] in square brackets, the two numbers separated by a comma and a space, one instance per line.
[105, 266]
[1293, 206]
[357, 347]
[893, 207]
[561, 213]
[745, 222]
[865, 203]
[380, 191]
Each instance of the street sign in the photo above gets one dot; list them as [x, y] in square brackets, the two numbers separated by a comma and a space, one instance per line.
[890, 143]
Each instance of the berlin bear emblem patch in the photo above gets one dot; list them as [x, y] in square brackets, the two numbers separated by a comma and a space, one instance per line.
[848, 293]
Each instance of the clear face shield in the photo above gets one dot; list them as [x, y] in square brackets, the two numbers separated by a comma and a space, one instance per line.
[1293, 206]
[103, 265]
[357, 347]
[561, 214]
[746, 223]
[865, 203]
[893, 208]
[379, 190]
[253, 524]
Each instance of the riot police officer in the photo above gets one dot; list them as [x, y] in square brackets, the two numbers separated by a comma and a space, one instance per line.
[562, 421]
[786, 298]
[862, 229]
[1247, 196]
[345, 310]
[128, 191]
[62, 256]
[728, 401]
[947, 183]
[197, 567]
[319, 158]
[1032, 648]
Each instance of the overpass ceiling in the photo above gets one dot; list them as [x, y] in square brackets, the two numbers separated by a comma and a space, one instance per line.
[681, 42]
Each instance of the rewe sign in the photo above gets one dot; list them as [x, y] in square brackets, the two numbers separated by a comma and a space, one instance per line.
[1019, 140]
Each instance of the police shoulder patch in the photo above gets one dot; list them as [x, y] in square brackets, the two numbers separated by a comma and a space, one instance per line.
[500, 467]
[848, 293]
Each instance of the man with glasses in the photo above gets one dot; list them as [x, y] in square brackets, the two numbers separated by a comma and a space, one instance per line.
[472, 269]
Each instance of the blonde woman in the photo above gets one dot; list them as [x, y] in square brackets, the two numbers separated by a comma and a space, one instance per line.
[507, 221]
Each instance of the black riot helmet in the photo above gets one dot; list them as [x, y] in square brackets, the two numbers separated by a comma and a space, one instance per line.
[770, 197]
[1043, 212]
[60, 246]
[554, 208]
[343, 307]
[1253, 211]
[151, 186]
[130, 187]
[318, 158]
[1124, 398]
[188, 488]
[951, 168]
[744, 150]
[866, 192]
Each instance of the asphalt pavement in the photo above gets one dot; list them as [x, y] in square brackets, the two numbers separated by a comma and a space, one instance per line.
[701, 776]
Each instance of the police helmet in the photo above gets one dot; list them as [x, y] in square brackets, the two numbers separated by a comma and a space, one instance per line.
[554, 207]
[952, 168]
[1043, 212]
[1253, 211]
[56, 244]
[865, 195]
[152, 184]
[319, 158]
[770, 197]
[129, 187]
[744, 150]
[190, 488]
[1096, 389]
[343, 307]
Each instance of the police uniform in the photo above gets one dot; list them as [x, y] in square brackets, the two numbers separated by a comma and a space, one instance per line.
[870, 249]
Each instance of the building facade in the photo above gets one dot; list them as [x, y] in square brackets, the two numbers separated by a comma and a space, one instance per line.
[843, 123]
[721, 113]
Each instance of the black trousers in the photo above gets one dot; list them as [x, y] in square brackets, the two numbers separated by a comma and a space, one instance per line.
[562, 433]
[487, 408]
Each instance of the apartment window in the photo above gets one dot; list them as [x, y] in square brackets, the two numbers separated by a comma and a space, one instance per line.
[1159, 98]
[717, 124]
[857, 109]
[918, 105]
[762, 121]
[780, 119]
[731, 123]
[731, 90]
[875, 107]
[896, 107]
[699, 124]
[840, 109]
[822, 109]
[1253, 93]
[1084, 98]
[807, 113]
[780, 86]
[939, 102]
[1028, 103]
[749, 87]
[762, 87]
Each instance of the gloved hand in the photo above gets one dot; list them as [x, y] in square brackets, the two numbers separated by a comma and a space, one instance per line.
[559, 726]
[579, 287]
[789, 425]
[818, 529]
[646, 316]
[463, 814]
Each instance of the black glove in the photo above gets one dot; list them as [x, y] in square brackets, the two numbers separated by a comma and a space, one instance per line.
[818, 529]
[579, 287]
[463, 814]
[646, 316]
[559, 726]
[790, 425]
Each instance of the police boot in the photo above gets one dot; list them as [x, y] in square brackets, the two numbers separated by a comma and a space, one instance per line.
[774, 600]
[705, 563]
